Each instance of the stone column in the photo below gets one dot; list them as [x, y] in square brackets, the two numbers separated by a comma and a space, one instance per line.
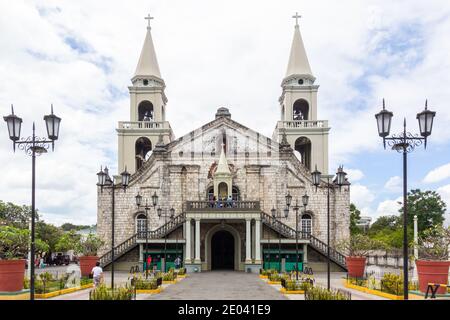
[257, 241]
[197, 241]
[141, 254]
[305, 253]
[188, 241]
[248, 241]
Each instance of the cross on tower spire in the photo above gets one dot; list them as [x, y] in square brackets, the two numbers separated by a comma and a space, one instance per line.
[149, 18]
[296, 17]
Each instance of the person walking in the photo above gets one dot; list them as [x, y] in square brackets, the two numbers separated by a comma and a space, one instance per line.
[177, 262]
[97, 274]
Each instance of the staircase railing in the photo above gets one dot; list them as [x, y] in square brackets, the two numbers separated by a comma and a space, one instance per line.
[131, 242]
[316, 243]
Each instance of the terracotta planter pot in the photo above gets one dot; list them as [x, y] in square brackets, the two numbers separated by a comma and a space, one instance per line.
[355, 266]
[432, 272]
[12, 273]
[86, 264]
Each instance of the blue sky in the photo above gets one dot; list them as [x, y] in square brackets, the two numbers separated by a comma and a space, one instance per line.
[80, 57]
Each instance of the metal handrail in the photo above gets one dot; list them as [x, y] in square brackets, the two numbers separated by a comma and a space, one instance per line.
[129, 243]
[316, 243]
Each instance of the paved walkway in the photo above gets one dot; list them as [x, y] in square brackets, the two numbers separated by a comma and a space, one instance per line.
[220, 285]
[223, 285]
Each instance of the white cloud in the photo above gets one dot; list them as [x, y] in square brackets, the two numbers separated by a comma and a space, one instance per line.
[361, 196]
[354, 175]
[388, 208]
[394, 184]
[437, 175]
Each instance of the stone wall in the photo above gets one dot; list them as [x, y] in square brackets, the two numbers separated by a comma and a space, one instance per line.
[260, 171]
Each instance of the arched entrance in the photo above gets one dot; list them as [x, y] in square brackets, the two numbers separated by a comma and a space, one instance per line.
[222, 251]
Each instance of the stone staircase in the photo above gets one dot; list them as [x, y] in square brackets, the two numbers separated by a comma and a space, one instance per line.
[318, 245]
[132, 242]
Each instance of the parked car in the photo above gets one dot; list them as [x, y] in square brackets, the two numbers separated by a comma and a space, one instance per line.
[60, 260]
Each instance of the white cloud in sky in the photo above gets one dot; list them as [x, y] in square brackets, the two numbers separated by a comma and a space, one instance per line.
[354, 175]
[80, 57]
[437, 175]
[394, 184]
[361, 196]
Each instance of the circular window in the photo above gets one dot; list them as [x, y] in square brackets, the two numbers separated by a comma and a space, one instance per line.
[300, 82]
[145, 82]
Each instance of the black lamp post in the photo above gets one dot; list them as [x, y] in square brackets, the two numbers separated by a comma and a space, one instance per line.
[340, 181]
[305, 199]
[405, 143]
[105, 180]
[276, 214]
[171, 215]
[147, 212]
[33, 146]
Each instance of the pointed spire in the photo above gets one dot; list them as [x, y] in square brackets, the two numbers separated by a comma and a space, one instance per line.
[223, 168]
[298, 60]
[148, 63]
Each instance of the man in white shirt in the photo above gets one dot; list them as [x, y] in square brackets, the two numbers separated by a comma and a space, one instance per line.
[97, 273]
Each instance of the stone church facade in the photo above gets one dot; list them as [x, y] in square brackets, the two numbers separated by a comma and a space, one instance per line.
[221, 189]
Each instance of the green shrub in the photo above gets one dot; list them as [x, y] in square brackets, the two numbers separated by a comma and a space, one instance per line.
[145, 284]
[182, 271]
[318, 293]
[104, 293]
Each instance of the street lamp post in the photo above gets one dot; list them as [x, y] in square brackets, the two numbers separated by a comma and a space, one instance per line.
[165, 216]
[296, 208]
[33, 146]
[276, 214]
[405, 143]
[105, 180]
[340, 181]
[147, 212]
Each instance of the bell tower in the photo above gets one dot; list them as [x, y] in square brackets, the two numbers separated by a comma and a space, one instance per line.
[298, 109]
[138, 137]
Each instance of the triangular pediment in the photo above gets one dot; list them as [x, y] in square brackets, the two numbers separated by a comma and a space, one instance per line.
[208, 139]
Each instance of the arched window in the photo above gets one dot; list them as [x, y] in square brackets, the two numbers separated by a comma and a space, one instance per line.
[301, 110]
[141, 224]
[306, 224]
[303, 146]
[236, 195]
[145, 111]
[223, 190]
[210, 193]
[143, 148]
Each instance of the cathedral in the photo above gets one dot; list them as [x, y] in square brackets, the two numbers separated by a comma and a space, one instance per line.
[223, 196]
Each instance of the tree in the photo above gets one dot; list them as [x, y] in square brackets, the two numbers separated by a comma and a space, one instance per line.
[49, 234]
[70, 226]
[41, 247]
[385, 223]
[68, 241]
[355, 216]
[429, 208]
[15, 215]
[14, 242]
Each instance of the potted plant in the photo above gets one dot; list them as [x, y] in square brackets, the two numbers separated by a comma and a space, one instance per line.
[13, 247]
[357, 247]
[88, 247]
[433, 263]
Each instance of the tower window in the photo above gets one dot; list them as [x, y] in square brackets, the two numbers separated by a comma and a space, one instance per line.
[145, 82]
[301, 110]
[301, 82]
[303, 146]
[146, 112]
[143, 150]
